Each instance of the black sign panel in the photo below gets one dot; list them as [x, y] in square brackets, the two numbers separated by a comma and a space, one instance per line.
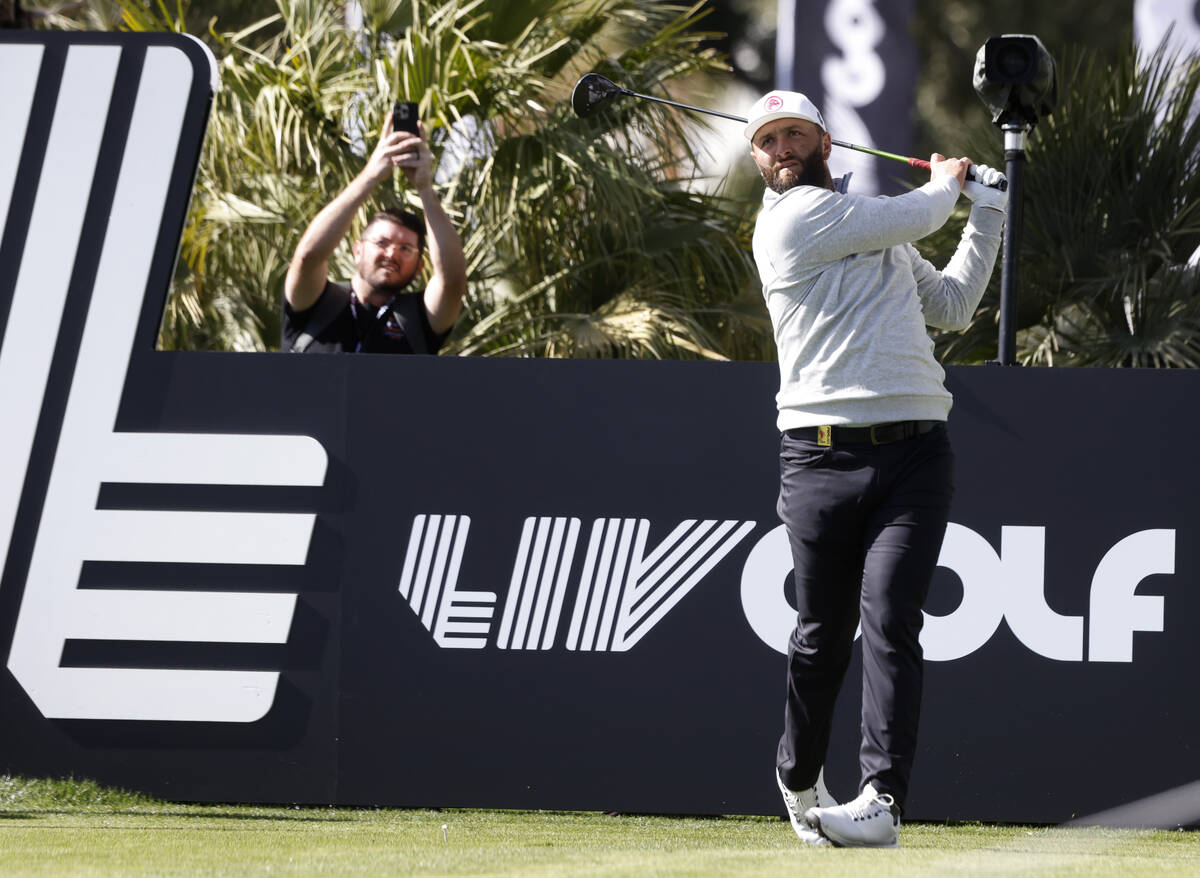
[522, 584]
[857, 61]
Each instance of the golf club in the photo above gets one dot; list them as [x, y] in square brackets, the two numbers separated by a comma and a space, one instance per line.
[594, 90]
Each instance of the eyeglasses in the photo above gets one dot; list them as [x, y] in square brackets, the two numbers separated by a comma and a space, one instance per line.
[386, 246]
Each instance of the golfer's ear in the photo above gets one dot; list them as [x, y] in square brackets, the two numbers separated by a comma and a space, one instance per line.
[826, 145]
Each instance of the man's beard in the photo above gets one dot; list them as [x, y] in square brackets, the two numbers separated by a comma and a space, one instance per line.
[812, 172]
[381, 285]
[392, 288]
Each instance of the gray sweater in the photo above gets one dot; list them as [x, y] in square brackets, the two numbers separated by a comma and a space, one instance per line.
[850, 297]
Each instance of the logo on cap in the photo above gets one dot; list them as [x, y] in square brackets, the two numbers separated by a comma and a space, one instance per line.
[774, 102]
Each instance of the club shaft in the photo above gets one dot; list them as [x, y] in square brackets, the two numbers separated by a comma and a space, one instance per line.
[916, 163]
[683, 106]
[908, 160]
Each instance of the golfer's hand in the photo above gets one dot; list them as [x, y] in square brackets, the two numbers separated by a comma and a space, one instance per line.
[940, 166]
[982, 189]
[988, 177]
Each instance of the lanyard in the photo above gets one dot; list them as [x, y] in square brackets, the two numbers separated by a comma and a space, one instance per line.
[380, 315]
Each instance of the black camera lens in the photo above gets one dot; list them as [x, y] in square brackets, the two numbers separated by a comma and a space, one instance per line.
[1013, 62]
[1011, 59]
[1016, 78]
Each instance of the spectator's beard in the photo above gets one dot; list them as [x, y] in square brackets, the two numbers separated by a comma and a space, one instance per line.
[809, 171]
[387, 278]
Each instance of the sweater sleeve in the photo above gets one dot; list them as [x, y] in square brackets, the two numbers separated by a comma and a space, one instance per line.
[828, 226]
[949, 297]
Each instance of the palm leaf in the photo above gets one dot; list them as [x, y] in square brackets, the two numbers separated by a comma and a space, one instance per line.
[1112, 214]
[584, 237]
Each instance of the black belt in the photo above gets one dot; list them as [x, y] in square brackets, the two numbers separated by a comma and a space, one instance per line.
[876, 434]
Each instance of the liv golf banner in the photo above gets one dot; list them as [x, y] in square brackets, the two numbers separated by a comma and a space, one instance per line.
[855, 59]
[430, 581]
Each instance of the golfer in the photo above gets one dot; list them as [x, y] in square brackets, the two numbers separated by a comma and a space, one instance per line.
[375, 312]
[866, 469]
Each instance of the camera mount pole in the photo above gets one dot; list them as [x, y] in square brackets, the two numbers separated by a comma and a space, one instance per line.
[1016, 79]
[1014, 162]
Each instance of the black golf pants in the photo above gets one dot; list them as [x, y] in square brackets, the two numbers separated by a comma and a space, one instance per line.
[865, 523]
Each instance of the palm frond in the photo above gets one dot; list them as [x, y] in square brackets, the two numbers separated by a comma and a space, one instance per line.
[584, 237]
[1112, 213]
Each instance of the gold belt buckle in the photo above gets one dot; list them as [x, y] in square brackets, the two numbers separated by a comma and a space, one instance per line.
[825, 436]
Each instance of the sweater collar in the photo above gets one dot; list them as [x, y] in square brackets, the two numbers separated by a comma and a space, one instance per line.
[840, 185]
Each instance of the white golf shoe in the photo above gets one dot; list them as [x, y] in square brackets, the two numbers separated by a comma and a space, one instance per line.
[870, 821]
[799, 802]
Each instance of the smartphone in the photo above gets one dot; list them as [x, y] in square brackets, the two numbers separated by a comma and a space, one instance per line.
[404, 117]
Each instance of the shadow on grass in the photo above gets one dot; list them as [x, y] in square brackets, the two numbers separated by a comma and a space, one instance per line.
[206, 815]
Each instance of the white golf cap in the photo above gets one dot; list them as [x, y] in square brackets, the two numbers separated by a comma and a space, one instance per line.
[782, 105]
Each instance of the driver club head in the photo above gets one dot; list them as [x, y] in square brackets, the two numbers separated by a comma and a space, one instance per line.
[593, 91]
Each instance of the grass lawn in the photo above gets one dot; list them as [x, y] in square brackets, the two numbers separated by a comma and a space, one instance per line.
[64, 828]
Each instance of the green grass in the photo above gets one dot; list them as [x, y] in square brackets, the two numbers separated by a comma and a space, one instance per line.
[72, 827]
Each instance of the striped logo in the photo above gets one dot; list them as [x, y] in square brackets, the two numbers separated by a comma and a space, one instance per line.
[99, 141]
[430, 583]
[623, 590]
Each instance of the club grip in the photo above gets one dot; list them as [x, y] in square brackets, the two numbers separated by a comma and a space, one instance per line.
[1001, 186]
[924, 166]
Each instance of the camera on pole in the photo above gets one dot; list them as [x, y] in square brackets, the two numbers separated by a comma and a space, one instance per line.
[1016, 79]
